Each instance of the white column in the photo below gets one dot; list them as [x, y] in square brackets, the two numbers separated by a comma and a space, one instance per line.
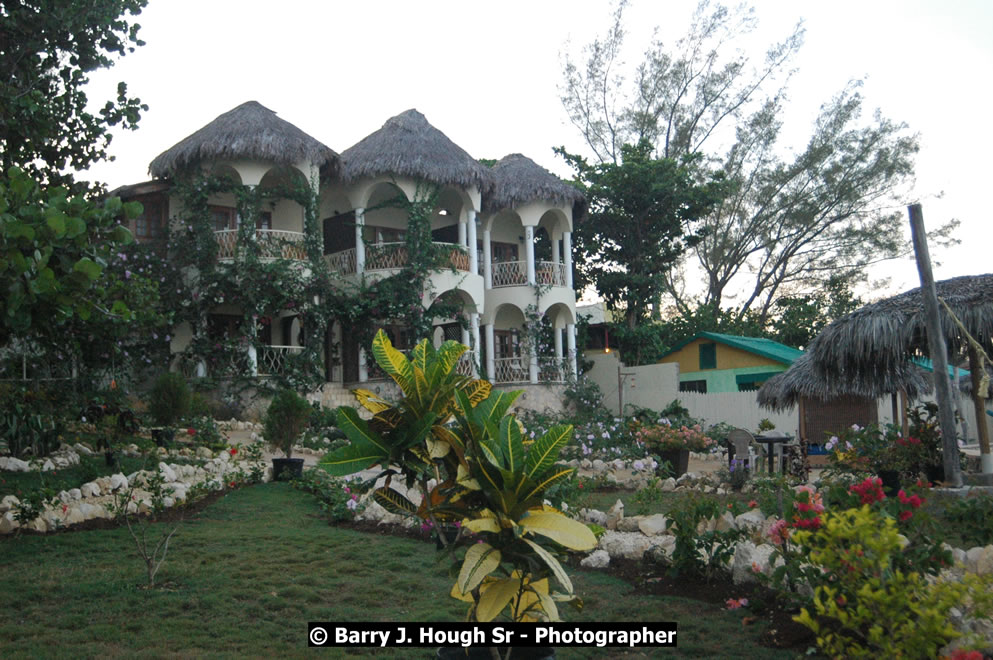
[474, 331]
[533, 367]
[570, 338]
[471, 238]
[487, 261]
[465, 337]
[567, 249]
[461, 233]
[555, 250]
[529, 247]
[253, 360]
[359, 243]
[558, 343]
[363, 369]
[490, 364]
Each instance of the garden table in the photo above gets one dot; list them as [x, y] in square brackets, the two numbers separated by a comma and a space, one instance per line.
[770, 441]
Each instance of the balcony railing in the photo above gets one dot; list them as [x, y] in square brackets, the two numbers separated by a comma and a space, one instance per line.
[511, 370]
[392, 256]
[272, 244]
[272, 359]
[553, 369]
[509, 273]
[550, 272]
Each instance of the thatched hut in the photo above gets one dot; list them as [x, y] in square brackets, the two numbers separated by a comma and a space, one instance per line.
[408, 146]
[869, 345]
[251, 131]
[828, 403]
[518, 180]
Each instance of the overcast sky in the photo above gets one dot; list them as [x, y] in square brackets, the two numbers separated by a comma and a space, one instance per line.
[487, 75]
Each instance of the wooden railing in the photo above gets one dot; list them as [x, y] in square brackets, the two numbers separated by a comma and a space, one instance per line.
[272, 244]
[272, 359]
[391, 256]
[509, 273]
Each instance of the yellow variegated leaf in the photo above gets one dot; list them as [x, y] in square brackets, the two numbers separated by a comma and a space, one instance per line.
[393, 362]
[482, 525]
[393, 501]
[543, 486]
[455, 593]
[564, 531]
[480, 560]
[437, 448]
[371, 401]
[553, 563]
[448, 355]
[548, 606]
[494, 596]
[465, 480]
[477, 390]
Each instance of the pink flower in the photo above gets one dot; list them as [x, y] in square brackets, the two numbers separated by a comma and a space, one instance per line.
[736, 603]
[752, 504]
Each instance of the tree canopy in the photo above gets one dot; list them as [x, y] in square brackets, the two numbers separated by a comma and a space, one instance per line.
[791, 216]
[48, 48]
[642, 216]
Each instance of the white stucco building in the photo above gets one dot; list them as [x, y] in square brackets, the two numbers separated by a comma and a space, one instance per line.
[509, 228]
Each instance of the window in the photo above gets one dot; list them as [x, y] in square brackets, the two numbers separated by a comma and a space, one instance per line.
[151, 223]
[708, 356]
[693, 386]
[752, 382]
[503, 252]
[223, 217]
[264, 220]
[508, 344]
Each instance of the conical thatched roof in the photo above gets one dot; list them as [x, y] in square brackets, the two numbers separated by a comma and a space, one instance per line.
[805, 380]
[519, 180]
[876, 340]
[250, 131]
[407, 145]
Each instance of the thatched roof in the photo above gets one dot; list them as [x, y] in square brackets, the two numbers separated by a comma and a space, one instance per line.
[875, 341]
[250, 131]
[519, 180]
[805, 380]
[407, 145]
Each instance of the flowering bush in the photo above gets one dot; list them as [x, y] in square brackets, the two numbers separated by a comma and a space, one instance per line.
[335, 495]
[663, 437]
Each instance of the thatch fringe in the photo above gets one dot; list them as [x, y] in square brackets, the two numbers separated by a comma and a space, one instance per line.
[805, 380]
[879, 338]
[407, 145]
[250, 131]
[519, 180]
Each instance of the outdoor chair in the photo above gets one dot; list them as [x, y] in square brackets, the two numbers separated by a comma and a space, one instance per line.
[744, 447]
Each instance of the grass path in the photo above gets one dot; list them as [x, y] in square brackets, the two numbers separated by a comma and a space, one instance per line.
[244, 577]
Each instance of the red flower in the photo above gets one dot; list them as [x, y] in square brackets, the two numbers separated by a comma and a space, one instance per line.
[752, 504]
[191, 431]
[231, 485]
[233, 451]
[905, 515]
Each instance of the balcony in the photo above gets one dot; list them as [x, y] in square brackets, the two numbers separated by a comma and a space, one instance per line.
[393, 256]
[517, 370]
[515, 273]
[272, 244]
[272, 359]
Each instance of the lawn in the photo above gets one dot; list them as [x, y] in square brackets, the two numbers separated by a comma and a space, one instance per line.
[245, 575]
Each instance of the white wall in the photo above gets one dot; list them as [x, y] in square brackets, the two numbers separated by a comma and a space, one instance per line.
[648, 386]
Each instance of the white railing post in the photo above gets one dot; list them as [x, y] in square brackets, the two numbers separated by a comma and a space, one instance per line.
[529, 248]
[359, 241]
[363, 367]
[487, 261]
[473, 253]
[490, 364]
[567, 250]
[474, 331]
[253, 360]
[570, 337]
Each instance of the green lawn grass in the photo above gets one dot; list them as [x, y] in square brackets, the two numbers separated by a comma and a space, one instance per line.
[244, 577]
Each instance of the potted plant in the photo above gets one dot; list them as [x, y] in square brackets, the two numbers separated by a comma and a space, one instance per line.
[169, 402]
[481, 481]
[286, 418]
[672, 444]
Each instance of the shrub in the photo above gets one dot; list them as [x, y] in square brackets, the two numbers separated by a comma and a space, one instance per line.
[286, 418]
[336, 497]
[169, 399]
[972, 518]
[700, 552]
[868, 606]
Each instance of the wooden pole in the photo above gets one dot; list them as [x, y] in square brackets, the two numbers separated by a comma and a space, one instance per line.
[979, 400]
[904, 422]
[937, 348]
[893, 404]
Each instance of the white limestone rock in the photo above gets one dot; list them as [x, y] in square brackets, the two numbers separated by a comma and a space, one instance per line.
[752, 519]
[594, 516]
[668, 485]
[596, 559]
[90, 489]
[16, 465]
[615, 514]
[628, 545]
[48, 465]
[653, 525]
[168, 474]
[629, 524]
[979, 560]
[74, 516]
[118, 482]
[9, 502]
[725, 522]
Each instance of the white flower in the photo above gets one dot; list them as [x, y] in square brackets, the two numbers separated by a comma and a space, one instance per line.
[638, 465]
[351, 504]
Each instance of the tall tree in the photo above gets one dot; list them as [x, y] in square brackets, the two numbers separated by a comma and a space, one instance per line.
[643, 212]
[790, 219]
[48, 48]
